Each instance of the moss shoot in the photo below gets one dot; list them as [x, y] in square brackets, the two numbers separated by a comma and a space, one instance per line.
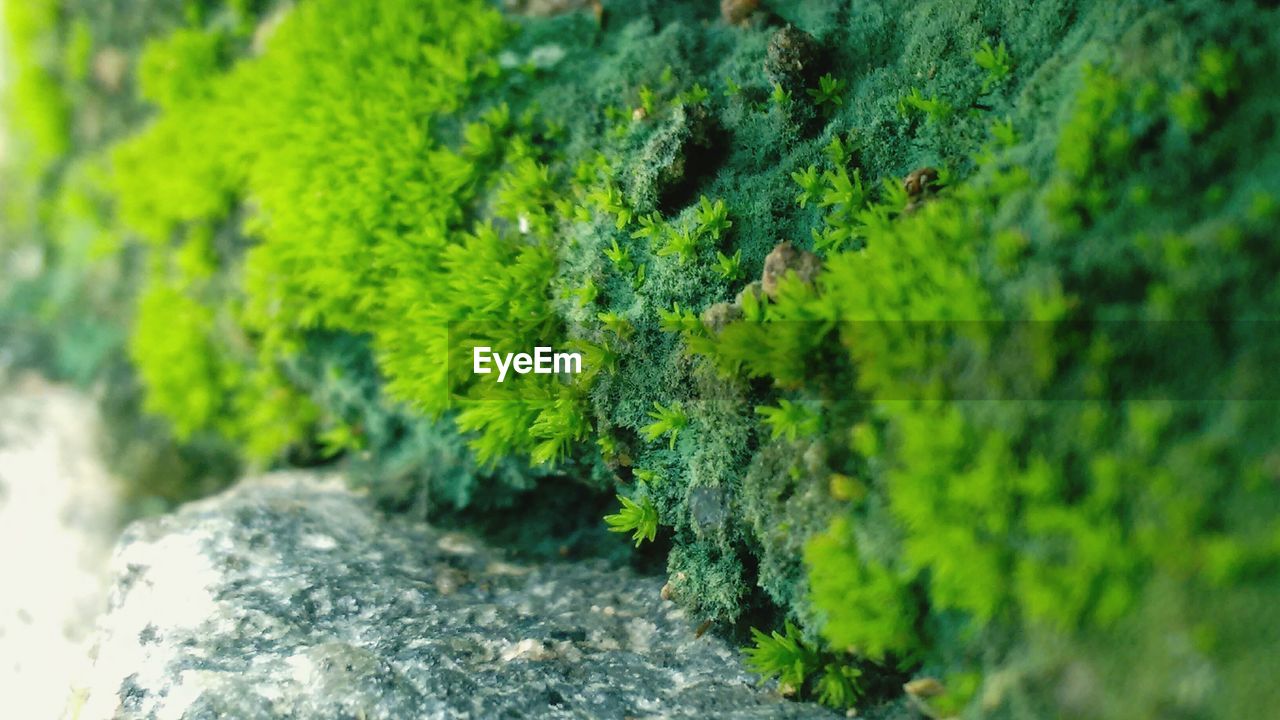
[926, 344]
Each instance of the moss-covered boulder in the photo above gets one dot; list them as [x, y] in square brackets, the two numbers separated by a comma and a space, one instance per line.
[934, 336]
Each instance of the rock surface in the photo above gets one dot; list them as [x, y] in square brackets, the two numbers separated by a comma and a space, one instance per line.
[287, 596]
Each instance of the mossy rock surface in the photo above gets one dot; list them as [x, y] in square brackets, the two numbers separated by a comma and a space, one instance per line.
[1009, 424]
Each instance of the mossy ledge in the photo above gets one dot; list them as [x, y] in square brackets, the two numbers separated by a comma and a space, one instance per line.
[930, 338]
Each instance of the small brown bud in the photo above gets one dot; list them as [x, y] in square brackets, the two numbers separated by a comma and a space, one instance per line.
[925, 688]
[920, 181]
[736, 12]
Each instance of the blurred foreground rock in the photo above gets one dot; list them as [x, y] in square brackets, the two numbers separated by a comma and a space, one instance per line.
[289, 597]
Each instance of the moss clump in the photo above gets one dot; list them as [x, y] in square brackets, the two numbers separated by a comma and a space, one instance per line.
[917, 331]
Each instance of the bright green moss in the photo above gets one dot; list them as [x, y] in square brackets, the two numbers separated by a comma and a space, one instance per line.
[868, 609]
[638, 518]
[392, 258]
[668, 421]
[996, 61]
[803, 670]
[77, 54]
[180, 68]
[198, 384]
[935, 109]
[783, 656]
[178, 361]
[36, 102]
[790, 420]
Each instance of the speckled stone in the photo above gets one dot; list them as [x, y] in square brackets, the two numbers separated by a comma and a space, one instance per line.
[288, 597]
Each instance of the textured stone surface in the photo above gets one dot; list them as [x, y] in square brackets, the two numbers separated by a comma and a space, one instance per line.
[288, 597]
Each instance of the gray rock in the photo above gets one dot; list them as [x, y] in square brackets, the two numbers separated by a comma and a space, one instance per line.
[707, 506]
[288, 597]
[676, 147]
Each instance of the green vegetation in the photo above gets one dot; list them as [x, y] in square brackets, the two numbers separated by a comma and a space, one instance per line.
[828, 91]
[640, 519]
[996, 61]
[984, 430]
[937, 110]
[804, 670]
[784, 656]
[668, 420]
[780, 97]
[729, 267]
[790, 420]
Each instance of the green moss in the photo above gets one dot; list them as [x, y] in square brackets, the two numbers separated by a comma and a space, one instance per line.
[637, 518]
[963, 448]
[37, 106]
[996, 61]
[179, 68]
[869, 608]
[177, 360]
[667, 420]
[803, 670]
